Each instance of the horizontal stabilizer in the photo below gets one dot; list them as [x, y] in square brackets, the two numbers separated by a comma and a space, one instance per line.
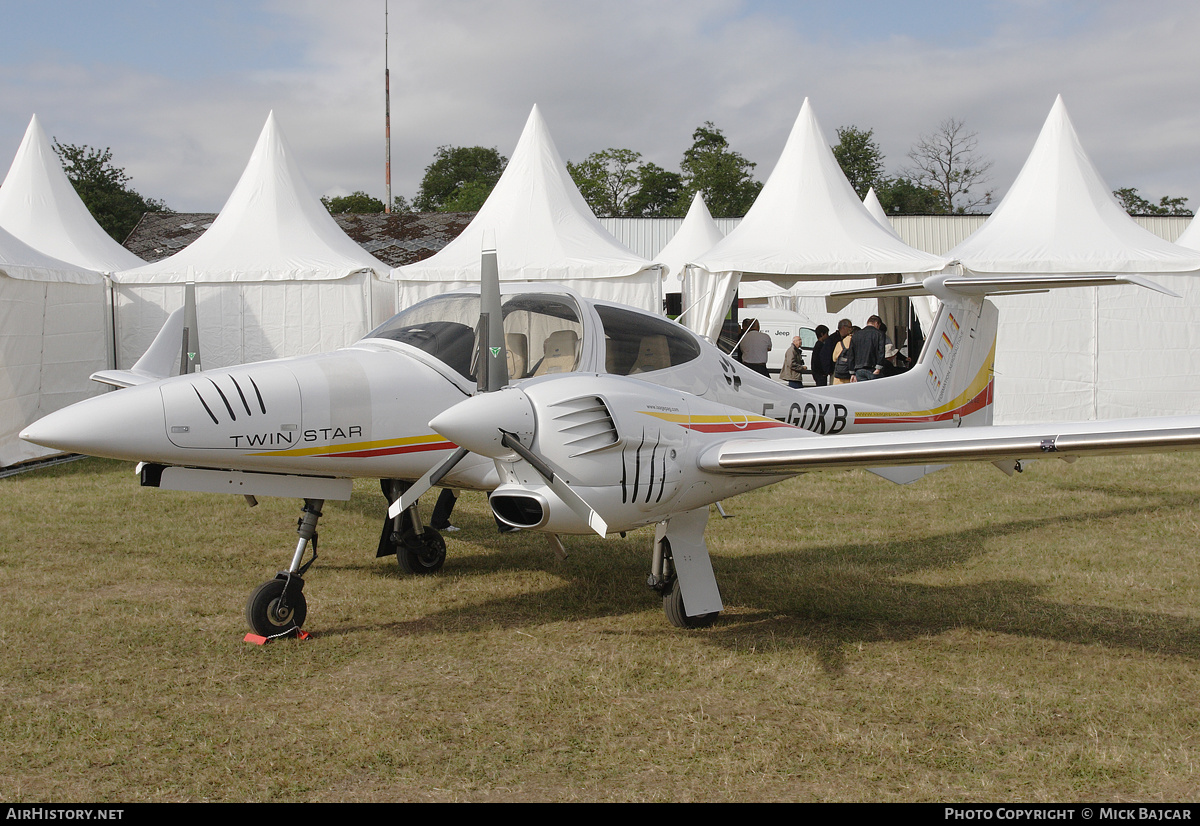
[797, 454]
[984, 285]
[158, 362]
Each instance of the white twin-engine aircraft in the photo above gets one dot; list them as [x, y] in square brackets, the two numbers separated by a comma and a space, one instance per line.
[576, 415]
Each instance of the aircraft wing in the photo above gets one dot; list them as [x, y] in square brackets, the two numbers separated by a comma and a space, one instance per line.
[989, 285]
[1002, 445]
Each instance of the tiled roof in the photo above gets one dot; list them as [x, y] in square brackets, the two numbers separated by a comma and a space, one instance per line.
[395, 239]
[403, 238]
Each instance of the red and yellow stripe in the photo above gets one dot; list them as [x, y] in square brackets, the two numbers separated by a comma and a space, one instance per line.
[978, 395]
[720, 423]
[367, 450]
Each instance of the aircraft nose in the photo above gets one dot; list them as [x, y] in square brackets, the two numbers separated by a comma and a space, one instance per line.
[124, 424]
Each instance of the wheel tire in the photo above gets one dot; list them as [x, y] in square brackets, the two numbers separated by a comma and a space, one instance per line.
[678, 616]
[426, 555]
[263, 615]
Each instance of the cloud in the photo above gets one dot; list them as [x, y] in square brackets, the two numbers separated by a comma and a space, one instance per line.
[621, 74]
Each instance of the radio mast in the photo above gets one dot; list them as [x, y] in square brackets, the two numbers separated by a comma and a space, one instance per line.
[387, 116]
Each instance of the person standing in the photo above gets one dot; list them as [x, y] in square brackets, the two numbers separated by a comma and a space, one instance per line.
[792, 370]
[867, 358]
[822, 364]
[842, 372]
[755, 346]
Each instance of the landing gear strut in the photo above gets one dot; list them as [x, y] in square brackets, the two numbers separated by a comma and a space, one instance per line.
[419, 548]
[277, 608]
[664, 580]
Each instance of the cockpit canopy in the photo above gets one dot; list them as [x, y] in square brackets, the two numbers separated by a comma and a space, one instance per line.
[543, 334]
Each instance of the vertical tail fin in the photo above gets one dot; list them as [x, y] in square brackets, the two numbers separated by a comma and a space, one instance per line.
[951, 383]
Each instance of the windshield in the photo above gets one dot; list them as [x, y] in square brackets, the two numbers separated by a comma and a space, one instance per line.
[542, 332]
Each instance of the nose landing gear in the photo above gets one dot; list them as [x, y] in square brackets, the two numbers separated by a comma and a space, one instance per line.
[277, 608]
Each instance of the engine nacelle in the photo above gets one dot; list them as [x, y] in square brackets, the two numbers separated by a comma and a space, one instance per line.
[535, 508]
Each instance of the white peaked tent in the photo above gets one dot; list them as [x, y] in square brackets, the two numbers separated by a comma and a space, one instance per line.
[1190, 237]
[807, 224]
[871, 202]
[275, 275]
[543, 230]
[696, 235]
[39, 206]
[1090, 352]
[52, 338]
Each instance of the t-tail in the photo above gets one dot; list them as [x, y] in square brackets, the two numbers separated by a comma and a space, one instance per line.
[952, 383]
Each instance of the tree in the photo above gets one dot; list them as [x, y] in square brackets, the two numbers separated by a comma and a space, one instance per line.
[1135, 204]
[606, 180]
[722, 176]
[104, 189]
[615, 185]
[357, 202]
[947, 162]
[860, 158]
[459, 179]
[900, 196]
[658, 193]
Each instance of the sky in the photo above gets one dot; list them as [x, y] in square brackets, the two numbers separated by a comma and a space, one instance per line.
[180, 91]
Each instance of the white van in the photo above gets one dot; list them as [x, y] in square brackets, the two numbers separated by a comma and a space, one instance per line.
[782, 326]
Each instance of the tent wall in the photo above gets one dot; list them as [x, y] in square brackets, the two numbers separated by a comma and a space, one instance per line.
[256, 320]
[1098, 353]
[53, 336]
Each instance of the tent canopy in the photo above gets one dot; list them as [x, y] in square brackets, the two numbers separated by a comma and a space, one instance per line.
[808, 221]
[1079, 354]
[543, 230]
[276, 276]
[696, 235]
[806, 224]
[39, 206]
[20, 261]
[1059, 216]
[272, 228]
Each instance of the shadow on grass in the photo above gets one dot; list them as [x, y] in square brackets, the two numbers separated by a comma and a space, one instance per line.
[817, 599]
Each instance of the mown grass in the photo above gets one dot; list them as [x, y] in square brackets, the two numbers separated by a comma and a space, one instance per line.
[970, 637]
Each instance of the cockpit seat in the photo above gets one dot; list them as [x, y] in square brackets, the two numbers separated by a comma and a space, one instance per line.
[559, 353]
[517, 347]
[653, 354]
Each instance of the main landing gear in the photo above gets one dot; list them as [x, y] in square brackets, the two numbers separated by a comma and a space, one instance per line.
[665, 581]
[419, 548]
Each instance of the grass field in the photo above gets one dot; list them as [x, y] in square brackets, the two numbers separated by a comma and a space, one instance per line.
[970, 637]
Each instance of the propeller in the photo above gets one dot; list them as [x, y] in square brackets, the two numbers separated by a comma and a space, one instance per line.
[509, 413]
[491, 365]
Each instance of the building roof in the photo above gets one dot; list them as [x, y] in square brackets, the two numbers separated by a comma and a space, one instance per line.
[395, 239]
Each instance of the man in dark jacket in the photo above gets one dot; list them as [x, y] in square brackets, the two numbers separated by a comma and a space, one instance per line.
[822, 364]
[867, 351]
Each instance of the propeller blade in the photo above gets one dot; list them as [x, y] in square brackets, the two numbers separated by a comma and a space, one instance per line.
[189, 360]
[561, 489]
[493, 360]
[419, 487]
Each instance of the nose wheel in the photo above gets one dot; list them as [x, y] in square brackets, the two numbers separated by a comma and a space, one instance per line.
[277, 608]
[273, 612]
